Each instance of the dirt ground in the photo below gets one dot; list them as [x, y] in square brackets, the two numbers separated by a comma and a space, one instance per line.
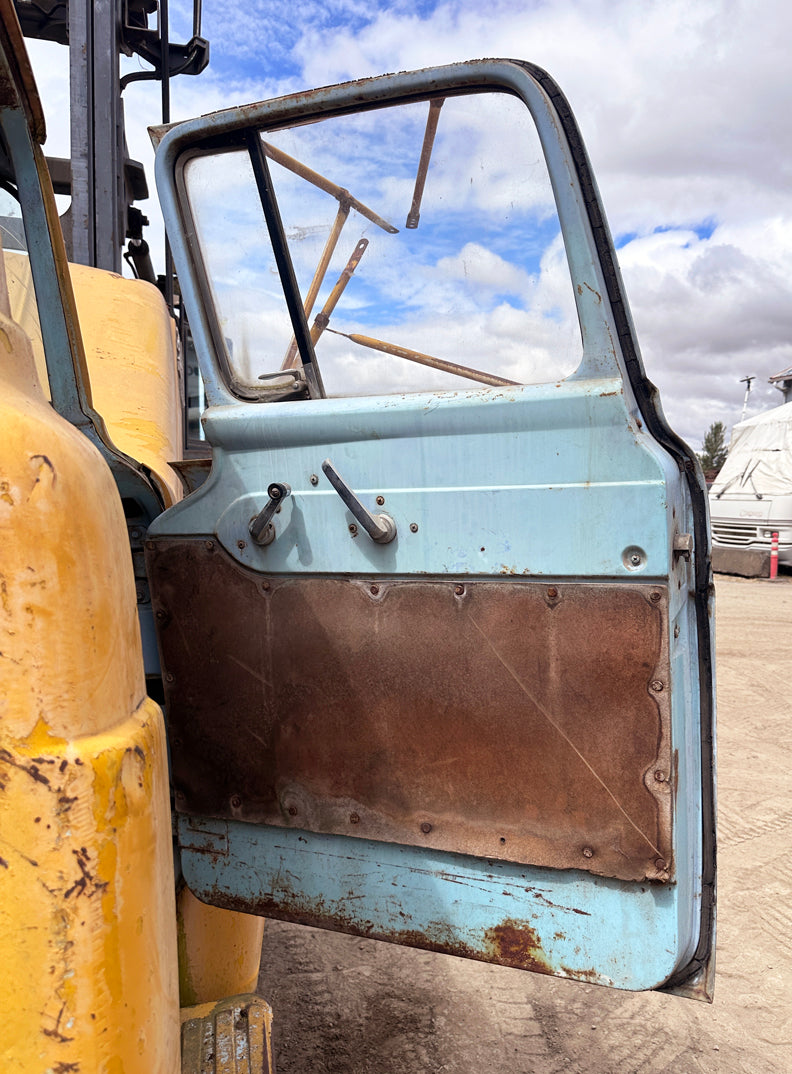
[348, 1006]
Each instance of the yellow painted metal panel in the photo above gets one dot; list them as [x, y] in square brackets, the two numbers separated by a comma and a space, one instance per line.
[131, 353]
[87, 908]
[219, 951]
[87, 902]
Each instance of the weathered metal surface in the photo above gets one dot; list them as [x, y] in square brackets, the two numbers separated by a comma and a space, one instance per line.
[508, 719]
[568, 923]
[229, 1037]
[192, 472]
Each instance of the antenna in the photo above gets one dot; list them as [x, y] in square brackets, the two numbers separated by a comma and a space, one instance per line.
[747, 381]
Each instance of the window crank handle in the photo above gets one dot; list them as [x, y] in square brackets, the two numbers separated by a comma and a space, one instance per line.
[261, 529]
[380, 528]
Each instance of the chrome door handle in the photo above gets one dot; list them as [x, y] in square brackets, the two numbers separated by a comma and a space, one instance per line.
[380, 528]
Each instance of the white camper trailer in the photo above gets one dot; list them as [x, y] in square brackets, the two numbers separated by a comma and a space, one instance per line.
[751, 497]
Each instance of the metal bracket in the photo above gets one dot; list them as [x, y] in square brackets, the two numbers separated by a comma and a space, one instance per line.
[683, 545]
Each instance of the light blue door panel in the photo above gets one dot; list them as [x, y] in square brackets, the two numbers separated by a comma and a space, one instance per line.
[346, 717]
[562, 923]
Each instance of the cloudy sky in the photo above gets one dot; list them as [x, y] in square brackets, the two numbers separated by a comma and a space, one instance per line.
[685, 111]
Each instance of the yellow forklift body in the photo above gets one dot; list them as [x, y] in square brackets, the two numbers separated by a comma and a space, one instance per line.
[87, 915]
[131, 353]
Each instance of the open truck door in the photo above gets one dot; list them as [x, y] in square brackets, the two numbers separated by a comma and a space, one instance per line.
[435, 637]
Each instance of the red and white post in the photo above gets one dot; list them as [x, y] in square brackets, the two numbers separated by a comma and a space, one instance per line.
[774, 555]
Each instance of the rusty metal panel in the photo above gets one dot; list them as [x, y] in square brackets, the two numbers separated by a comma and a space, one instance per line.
[507, 719]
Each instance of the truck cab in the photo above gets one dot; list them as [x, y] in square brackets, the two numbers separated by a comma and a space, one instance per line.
[434, 633]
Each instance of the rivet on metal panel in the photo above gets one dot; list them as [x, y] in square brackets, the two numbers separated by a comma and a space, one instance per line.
[588, 852]
[413, 527]
[353, 818]
[210, 546]
[161, 614]
[459, 590]
[314, 479]
[374, 589]
[654, 596]
[241, 545]
[661, 864]
[380, 501]
[236, 801]
[353, 529]
[292, 811]
[265, 586]
[660, 776]
[657, 686]
[426, 827]
[168, 677]
[552, 592]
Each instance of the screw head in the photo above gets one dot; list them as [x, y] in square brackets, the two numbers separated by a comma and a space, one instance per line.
[552, 592]
[633, 557]
[588, 852]
[353, 529]
[654, 596]
[413, 527]
[236, 801]
[661, 865]
[426, 827]
[160, 614]
[169, 676]
[265, 586]
[374, 589]
[354, 818]
[314, 479]
[292, 810]
[209, 546]
[241, 545]
[657, 686]
[380, 501]
[459, 590]
[659, 776]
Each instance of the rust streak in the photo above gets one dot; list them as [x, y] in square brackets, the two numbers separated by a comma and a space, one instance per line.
[540, 708]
